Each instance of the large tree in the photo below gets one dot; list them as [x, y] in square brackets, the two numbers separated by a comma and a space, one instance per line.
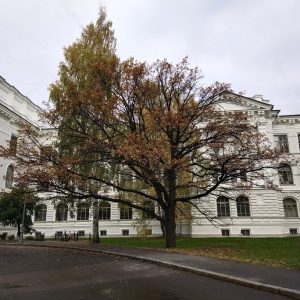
[131, 133]
[12, 206]
[96, 43]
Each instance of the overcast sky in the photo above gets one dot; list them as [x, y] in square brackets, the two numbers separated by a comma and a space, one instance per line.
[252, 44]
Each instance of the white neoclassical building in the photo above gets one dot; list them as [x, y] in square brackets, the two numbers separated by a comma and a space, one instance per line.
[14, 109]
[261, 212]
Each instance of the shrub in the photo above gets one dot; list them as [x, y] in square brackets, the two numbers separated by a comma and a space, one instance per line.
[3, 235]
[11, 237]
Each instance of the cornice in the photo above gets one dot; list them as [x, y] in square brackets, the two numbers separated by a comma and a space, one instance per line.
[8, 87]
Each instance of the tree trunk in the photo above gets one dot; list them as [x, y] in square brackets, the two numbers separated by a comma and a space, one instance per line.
[96, 238]
[170, 227]
[169, 210]
[19, 230]
[163, 229]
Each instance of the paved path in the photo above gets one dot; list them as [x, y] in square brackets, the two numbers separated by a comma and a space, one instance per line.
[282, 281]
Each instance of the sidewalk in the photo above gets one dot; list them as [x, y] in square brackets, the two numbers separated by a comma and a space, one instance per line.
[281, 281]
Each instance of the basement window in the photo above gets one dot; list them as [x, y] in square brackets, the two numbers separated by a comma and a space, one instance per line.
[245, 232]
[81, 233]
[293, 231]
[125, 232]
[103, 232]
[225, 232]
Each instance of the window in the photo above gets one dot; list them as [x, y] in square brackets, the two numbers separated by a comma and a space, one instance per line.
[285, 174]
[61, 212]
[243, 175]
[58, 235]
[293, 231]
[9, 177]
[149, 205]
[40, 213]
[125, 212]
[44, 186]
[281, 142]
[103, 233]
[223, 207]
[245, 232]
[125, 232]
[81, 233]
[290, 208]
[83, 211]
[104, 210]
[299, 141]
[13, 145]
[242, 206]
[225, 232]
[126, 177]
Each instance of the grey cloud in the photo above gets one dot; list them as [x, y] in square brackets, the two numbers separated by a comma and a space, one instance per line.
[252, 44]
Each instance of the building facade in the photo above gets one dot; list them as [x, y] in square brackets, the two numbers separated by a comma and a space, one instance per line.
[258, 213]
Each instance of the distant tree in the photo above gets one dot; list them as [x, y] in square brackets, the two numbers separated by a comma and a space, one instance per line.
[11, 209]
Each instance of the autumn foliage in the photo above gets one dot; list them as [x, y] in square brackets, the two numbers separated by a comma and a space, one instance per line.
[130, 132]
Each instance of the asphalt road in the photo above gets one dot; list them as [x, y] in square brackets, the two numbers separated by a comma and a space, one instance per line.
[50, 273]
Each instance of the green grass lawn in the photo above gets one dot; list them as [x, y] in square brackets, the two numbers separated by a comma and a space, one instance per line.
[275, 252]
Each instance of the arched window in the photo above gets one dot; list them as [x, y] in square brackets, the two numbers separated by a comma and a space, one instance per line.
[104, 210]
[83, 211]
[223, 207]
[125, 212]
[40, 213]
[242, 206]
[285, 174]
[61, 212]
[149, 205]
[290, 208]
[9, 177]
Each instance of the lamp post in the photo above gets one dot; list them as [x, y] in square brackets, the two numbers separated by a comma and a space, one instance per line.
[23, 220]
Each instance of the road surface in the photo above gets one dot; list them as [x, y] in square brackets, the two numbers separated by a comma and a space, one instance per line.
[50, 273]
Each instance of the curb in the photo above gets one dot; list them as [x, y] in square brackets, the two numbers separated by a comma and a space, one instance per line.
[294, 294]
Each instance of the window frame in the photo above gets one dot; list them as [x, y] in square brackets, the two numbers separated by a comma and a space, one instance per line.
[243, 208]
[293, 231]
[125, 232]
[62, 212]
[83, 212]
[282, 142]
[245, 232]
[291, 208]
[225, 232]
[13, 144]
[125, 212]
[9, 177]
[103, 232]
[81, 233]
[150, 206]
[223, 207]
[40, 213]
[285, 174]
[104, 211]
